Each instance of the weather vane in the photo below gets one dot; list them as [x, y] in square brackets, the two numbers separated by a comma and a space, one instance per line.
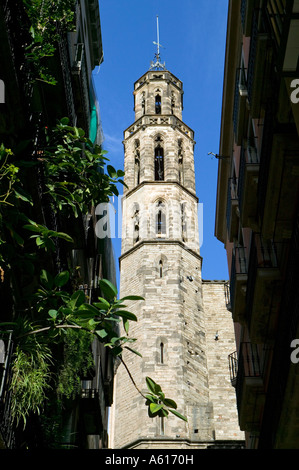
[157, 65]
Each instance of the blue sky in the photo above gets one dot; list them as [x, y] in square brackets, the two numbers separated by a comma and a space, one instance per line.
[193, 33]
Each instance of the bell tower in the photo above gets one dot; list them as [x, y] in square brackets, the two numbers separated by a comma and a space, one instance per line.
[160, 261]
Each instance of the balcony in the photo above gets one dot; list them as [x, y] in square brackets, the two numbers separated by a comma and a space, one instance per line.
[265, 272]
[240, 112]
[238, 281]
[91, 410]
[247, 8]
[278, 183]
[247, 186]
[246, 376]
[232, 210]
[258, 69]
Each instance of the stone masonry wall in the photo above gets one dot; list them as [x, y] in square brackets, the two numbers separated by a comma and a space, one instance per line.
[222, 395]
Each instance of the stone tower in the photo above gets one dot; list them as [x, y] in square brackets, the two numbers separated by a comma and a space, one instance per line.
[161, 262]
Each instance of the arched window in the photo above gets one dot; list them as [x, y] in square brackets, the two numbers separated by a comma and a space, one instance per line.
[136, 228]
[162, 353]
[181, 161]
[161, 269]
[158, 104]
[183, 222]
[172, 103]
[160, 219]
[159, 160]
[137, 162]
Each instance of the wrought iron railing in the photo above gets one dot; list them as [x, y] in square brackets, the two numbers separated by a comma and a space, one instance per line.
[246, 363]
[240, 87]
[248, 157]
[238, 266]
[263, 255]
[232, 195]
[275, 15]
[266, 152]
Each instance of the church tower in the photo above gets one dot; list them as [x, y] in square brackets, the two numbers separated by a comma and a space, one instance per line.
[160, 261]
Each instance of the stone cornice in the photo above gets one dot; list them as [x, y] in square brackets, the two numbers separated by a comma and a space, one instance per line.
[159, 241]
[149, 120]
[145, 183]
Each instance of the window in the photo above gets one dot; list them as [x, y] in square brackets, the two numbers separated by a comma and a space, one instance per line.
[137, 162]
[160, 219]
[180, 161]
[161, 269]
[158, 104]
[136, 236]
[162, 353]
[159, 160]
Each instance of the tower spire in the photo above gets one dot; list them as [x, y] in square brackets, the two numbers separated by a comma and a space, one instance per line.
[156, 64]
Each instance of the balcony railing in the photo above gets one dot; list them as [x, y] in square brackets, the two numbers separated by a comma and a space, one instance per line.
[238, 279]
[247, 185]
[246, 373]
[257, 66]
[275, 14]
[240, 108]
[231, 208]
[264, 275]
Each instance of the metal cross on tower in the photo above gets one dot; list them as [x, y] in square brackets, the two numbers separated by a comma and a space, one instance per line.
[157, 65]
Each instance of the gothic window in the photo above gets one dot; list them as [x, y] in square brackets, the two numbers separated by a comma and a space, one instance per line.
[162, 353]
[160, 219]
[143, 102]
[158, 104]
[183, 222]
[159, 160]
[172, 103]
[136, 228]
[137, 162]
[181, 161]
[161, 269]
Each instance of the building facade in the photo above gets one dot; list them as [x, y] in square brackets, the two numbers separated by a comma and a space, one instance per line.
[257, 214]
[30, 104]
[184, 330]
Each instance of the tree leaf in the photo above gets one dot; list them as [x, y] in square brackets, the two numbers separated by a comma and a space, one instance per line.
[46, 279]
[108, 289]
[155, 408]
[132, 297]
[90, 309]
[178, 415]
[170, 403]
[62, 278]
[126, 315]
[77, 299]
[153, 386]
[134, 351]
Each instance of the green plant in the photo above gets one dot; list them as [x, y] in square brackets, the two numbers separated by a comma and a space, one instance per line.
[74, 170]
[30, 381]
[46, 18]
[77, 361]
